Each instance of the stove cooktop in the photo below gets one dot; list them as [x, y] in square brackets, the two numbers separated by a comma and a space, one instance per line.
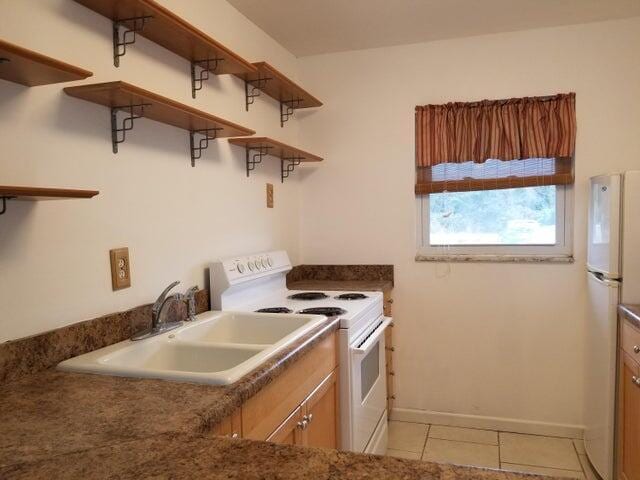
[351, 312]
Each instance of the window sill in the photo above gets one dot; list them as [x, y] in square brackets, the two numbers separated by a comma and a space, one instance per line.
[462, 258]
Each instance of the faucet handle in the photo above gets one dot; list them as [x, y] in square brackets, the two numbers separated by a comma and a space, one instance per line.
[190, 296]
[192, 291]
[158, 303]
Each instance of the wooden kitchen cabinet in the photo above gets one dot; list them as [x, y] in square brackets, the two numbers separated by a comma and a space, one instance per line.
[388, 340]
[265, 412]
[299, 407]
[290, 432]
[322, 417]
[315, 422]
[628, 456]
[230, 426]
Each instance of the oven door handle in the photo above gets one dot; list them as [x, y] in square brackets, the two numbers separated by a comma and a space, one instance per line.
[372, 337]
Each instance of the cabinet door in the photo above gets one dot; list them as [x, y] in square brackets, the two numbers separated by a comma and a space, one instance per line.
[629, 420]
[290, 431]
[264, 412]
[321, 414]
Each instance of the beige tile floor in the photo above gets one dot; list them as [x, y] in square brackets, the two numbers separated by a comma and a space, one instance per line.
[562, 457]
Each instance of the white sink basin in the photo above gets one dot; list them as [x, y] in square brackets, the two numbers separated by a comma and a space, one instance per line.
[178, 356]
[217, 348]
[242, 328]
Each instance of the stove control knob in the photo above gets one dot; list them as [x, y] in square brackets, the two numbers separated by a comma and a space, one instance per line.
[251, 266]
[264, 264]
[258, 264]
[269, 261]
[240, 267]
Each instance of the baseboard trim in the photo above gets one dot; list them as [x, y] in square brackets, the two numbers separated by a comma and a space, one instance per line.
[490, 423]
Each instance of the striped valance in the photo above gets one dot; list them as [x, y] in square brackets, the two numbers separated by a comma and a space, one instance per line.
[532, 139]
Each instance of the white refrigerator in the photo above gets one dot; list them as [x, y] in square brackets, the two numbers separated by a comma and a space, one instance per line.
[613, 271]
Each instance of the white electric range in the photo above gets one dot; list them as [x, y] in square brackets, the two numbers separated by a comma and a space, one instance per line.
[258, 283]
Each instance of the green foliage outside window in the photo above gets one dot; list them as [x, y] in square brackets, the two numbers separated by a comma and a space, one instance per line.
[515, 216]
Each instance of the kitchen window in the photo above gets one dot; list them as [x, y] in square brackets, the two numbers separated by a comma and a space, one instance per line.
[494, 179]
[498, 224]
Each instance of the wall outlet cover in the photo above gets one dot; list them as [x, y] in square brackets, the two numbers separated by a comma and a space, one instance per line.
[120, 270]
[269, 195]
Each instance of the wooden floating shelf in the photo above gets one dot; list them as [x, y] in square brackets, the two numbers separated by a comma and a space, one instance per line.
[160, 25]
[26, 67]
[137, 103]
[43, 193]
[275, 84]
[257, 147]
[12, 192]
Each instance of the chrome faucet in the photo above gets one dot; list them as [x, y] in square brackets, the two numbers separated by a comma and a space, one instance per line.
[158, 324]
[161, 301]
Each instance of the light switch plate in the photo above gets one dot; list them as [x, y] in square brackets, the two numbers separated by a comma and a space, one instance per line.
[120, 270]
[269, 195]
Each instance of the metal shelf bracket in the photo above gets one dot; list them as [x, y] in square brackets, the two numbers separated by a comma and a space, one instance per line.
[288, 108]
[128, 36]
[206, 66]
[208, 134]
[252, 90]
[4, 204]
[286, 170]
[119, 134]
[252, 159]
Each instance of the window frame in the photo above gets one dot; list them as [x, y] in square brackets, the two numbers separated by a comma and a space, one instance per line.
[562, 248]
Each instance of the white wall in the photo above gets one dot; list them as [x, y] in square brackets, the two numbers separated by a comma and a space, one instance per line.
[497, 340]
[54, 260]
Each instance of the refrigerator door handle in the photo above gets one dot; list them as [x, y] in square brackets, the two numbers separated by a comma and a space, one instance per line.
[600, 278]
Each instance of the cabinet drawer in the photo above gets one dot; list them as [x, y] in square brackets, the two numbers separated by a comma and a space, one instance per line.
[263, 413]
[631, 340]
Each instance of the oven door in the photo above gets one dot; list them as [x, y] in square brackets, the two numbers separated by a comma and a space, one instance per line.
[368, 382]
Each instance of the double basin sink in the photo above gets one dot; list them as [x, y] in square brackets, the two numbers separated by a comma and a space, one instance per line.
[217, 348]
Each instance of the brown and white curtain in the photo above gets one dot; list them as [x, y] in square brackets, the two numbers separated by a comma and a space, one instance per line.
[494, 144]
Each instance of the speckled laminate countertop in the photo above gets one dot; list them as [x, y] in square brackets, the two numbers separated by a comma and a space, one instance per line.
[631, 313]
[342, 285]
[176, 456]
